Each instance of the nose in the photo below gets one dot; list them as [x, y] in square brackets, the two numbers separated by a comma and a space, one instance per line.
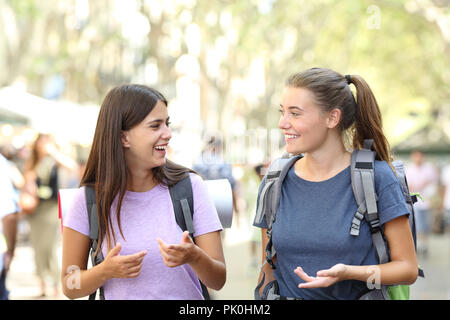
[284, 122]
[167, 133]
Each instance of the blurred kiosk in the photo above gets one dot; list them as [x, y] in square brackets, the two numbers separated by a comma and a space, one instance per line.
[219, 190]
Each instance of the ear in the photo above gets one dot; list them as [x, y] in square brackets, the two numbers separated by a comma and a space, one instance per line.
[124, 138]
[334, 117]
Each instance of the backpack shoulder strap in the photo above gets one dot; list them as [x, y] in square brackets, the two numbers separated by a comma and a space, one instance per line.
[183, 204]
[91, 205]
[283, 168]
[269, 198]
[277, 172]
[363, 185]
[183, 207]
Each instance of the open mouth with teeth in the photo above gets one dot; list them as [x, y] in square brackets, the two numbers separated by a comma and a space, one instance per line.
[161, 148]
[291, 136]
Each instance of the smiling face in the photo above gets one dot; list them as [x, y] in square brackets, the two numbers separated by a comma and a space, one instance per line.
[145, 145]
[304, 124]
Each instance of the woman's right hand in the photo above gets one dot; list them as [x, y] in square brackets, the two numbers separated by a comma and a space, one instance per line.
[117, 266]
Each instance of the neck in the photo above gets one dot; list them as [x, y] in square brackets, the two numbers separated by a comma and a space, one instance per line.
[140, 180]
[324, 162]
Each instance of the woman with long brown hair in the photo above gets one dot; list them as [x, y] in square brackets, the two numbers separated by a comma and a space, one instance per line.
[316, 256]
[147, 256]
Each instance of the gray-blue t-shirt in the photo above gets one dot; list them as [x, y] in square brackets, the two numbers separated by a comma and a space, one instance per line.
[312, 230]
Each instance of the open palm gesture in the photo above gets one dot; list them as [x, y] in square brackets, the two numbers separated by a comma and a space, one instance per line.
[324, 278]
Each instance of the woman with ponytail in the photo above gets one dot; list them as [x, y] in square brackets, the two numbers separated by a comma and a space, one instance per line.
[317, 258]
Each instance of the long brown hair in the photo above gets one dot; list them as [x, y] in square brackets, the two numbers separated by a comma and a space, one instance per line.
[360, 117]
[123, 108]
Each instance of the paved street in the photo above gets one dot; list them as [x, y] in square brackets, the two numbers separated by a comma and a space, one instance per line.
[241, 275]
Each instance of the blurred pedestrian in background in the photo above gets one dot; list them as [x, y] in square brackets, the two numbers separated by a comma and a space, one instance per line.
[39, 202]
[211, 165]
[8, 224]
[423, 179]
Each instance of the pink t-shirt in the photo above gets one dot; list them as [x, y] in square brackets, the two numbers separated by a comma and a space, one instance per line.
[145, 216]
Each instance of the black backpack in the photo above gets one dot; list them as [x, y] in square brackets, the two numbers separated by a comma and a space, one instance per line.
[183, 207]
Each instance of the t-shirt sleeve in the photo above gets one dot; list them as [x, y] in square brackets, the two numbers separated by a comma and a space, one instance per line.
[391, 202]
[76, 217]
[262, 223]
[206, 218]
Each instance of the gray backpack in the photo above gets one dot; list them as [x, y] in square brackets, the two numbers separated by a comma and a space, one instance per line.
[363, 185]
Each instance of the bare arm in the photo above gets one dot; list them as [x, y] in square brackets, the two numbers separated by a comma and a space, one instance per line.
[75, 252]
[403, 267]
[10, 231]
[77, 280]
[266, 268]
[264, 240]
[61, 158]
[210, 263]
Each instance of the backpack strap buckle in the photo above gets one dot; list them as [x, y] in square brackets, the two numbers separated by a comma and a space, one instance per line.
[356, 222]
[374, 226]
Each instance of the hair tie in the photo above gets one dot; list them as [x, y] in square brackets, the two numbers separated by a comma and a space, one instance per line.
[348, 78]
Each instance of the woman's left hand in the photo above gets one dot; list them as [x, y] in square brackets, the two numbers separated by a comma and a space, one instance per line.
[325, 278]
[175, 255]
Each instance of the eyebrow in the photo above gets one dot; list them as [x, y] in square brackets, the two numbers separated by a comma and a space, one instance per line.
[293, 107]
[158, 120]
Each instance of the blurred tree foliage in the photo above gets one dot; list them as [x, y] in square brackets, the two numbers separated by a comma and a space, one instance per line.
[402, 49]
